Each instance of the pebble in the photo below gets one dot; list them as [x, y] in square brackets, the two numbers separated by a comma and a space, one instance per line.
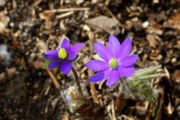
[109, 25]
[145, 24]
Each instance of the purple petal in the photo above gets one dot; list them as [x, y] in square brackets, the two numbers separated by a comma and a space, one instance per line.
[65, 67]
[51, 54]
[114, 45]
[125, 48]
[97, 65]
[126, 72]
[77, 47]
[113, 78]
[71, 55]
[97, 77]
[72, 52]
[65, 44]
[102, 51]
[128, 61]
[53, 64]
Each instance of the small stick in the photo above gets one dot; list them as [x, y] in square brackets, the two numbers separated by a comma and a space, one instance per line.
[113, 110]
[78, 84]
[160, 105]
[65, 15]
[53, 78]
[92, 85]
[110, 13]
[148, 112]
[68, 9]
[37, 2]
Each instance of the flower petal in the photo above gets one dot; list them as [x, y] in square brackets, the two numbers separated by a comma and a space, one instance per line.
[126, 72]
[125, 48]
[113, 78]
[65, 44]
[114, 45]
[53, 64]
[51, 54]
[96, 77]
[97, 65]
[128, 61]
[71, 55]
[72, 52]
[77, 47]
[102, 51]
[65, 67]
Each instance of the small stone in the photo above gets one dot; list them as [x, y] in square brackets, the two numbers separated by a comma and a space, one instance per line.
[173, 60]
[110, 25]
[86, 28]
[145, 24]
[11, 24]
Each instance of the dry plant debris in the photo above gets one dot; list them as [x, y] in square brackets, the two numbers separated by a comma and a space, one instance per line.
[29, 28]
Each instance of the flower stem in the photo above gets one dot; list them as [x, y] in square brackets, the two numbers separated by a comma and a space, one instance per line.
[78, 85]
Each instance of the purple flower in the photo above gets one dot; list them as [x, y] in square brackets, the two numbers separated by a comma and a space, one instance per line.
[116, 61]
[63, 56]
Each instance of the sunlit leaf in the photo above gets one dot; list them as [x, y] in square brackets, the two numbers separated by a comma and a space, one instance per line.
[45, 64]
[97, 57]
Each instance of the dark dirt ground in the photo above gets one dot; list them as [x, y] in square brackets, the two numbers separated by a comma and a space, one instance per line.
[28, 28]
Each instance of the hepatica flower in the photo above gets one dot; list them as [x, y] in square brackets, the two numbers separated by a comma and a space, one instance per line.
[63, 56]
[116, 61]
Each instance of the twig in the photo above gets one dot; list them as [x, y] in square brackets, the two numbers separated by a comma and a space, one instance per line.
[160, 107]
[148, 112]
[92, 85]
[109, 12]
[78, 84]
[68, 9]
[65, 15]
[37, 2]
[53, 78]
[113, 111]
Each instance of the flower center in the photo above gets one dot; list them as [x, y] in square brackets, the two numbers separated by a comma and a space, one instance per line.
[62, 53]
[113, 63]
